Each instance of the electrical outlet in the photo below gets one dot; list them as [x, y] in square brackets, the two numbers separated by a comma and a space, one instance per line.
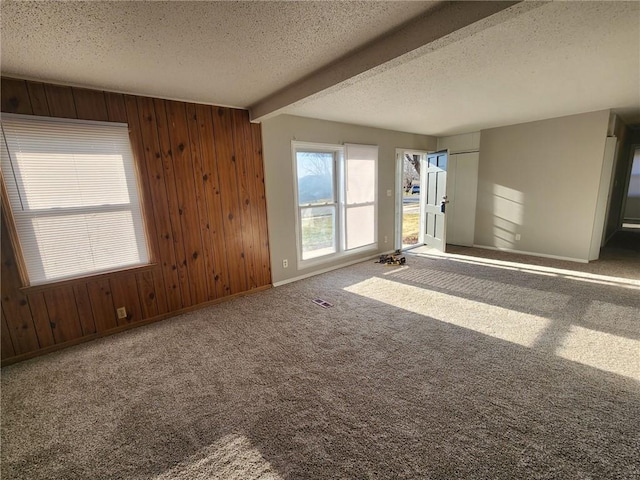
[388, 193]
[517, 237]
[285, 263]
[122, 312]
[385, 239]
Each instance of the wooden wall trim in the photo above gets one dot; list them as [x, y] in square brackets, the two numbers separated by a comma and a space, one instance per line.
[9, 224]
[201, 178]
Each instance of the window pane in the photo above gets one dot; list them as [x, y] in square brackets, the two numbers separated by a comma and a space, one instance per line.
[92, 249]
[360, 175]
[360, 226]
[315, 177]
[442, 161]
[318, 231]
[71, 180]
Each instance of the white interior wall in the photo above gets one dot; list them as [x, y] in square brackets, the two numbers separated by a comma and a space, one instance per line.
[277, 134]
[466, 142]
[606, 178]
[540, 180]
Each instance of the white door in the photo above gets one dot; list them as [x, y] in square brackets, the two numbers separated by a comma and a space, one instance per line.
[433, 186]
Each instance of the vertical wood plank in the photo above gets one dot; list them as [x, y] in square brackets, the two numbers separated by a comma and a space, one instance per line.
[7, 350]
[41, 320]
[83, 304]
[90, 104]
[104, 312]
[159, 197]
[141, 167]
[258, 167]
[137, 141]
[160, 292]
[147, 292]
[63, 314]
[125, 294]
[187, 200]
[14, 303]
[199, 175]
[173, 203]
[243, 149]
[60, 101]
[218, 268]
[253, 171]
[223, 128]
[14, 96]
[22, 337]
[116, 110]
[38, 98]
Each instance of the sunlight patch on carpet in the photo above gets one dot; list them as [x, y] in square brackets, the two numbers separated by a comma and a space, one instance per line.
[605, 351]
[498, 322]
[602, 350]
[541, 270]
[530, 300]
[233, 457]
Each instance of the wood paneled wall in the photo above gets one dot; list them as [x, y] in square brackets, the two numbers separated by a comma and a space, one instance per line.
[201, 174]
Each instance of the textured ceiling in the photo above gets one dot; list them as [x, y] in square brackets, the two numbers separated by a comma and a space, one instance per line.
[535, 61]
[559, 59]
[227, 53]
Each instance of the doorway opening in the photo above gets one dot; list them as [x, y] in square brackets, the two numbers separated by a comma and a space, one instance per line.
[631, 203]
[409, 188]
[626, 240]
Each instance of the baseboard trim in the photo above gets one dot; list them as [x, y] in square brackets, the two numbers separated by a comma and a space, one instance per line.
[328, 269]
[533, 254]
[122, 328]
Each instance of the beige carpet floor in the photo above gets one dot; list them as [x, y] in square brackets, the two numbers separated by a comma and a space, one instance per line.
[475, 365]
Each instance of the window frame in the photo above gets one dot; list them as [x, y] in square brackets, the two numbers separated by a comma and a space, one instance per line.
[14, 236]
[341, 206]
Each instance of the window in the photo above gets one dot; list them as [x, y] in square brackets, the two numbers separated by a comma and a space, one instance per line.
[73, 195]
[336, 199]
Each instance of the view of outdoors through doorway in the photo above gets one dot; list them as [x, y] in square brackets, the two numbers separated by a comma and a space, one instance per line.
[410, 198]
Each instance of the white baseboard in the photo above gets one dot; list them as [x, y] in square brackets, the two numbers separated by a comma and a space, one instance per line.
[328, 269]
[533, 254]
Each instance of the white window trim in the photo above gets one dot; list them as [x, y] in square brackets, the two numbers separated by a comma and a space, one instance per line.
[340, 220]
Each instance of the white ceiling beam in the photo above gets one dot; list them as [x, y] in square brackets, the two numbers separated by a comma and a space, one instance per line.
[451, 22]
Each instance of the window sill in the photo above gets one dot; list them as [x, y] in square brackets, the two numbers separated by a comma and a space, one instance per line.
[88, 278]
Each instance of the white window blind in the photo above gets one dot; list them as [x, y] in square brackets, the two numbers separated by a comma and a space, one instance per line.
[74, 196]
[361, 186]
